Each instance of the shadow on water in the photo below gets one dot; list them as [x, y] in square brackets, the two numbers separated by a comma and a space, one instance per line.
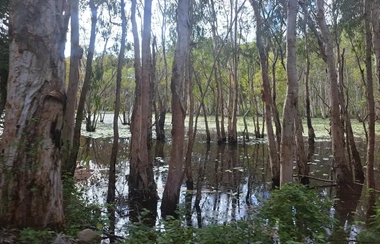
[230, 180]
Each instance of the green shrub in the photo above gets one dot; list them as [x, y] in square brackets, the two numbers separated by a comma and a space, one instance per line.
[29, 235]
[372, 233]
[298, 214]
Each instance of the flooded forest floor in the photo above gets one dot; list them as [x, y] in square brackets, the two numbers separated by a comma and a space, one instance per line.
[233, 179]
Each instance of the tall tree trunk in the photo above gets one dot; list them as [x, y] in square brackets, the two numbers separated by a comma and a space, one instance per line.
[175, 175]
[191, 132]
[142, 188]
[275, 113]
[217, 108]
[310, 129]
[370, 108]
[291, 103]
[72, 90]
[30, 179]
[267, 99]
[85, 88]
[221, 104]
[303, 167]
[342, 172]
[232, 133]
[115, 144]
[351, 145]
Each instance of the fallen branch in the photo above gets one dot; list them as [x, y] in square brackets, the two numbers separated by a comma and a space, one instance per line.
[315, 178]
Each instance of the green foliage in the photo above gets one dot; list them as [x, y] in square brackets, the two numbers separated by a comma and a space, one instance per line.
[372, 234]
[292, 215]
[244, 231]
[29, 235]
[79, 212]
[174, 231]
[298, 213]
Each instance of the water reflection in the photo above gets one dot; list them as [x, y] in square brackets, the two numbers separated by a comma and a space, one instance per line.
[229, 180]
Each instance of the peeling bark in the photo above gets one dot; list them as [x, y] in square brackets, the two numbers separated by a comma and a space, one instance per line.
[142, 188]
[30, 179]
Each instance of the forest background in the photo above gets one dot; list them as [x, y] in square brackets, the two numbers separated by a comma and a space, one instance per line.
[275, 62]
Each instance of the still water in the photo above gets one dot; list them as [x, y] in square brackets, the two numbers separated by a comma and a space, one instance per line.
[233, 179]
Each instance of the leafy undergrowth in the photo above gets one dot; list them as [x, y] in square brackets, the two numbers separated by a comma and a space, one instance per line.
[293, 214]
[372, 233]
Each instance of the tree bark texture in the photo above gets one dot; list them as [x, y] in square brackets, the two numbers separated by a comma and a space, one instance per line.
[30, 179]
[342, 172]
[72, 90]
[370, 97]
[291, 106]
[175, 175]
[142, 188]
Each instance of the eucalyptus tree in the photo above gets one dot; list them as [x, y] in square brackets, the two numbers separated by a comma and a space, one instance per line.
[30, 179]
[71, 163]
[219, 109]
[266, 95]
[342, 171]
[233, 99]
[370, 103]
[115, 144]
[352, 150]
[306, 54]
[178, 83]
[142, 188]
[275, 33]
[72, 88]
[291, 103]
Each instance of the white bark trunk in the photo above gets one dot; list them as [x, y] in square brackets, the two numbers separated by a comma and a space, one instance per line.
[290, 108]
